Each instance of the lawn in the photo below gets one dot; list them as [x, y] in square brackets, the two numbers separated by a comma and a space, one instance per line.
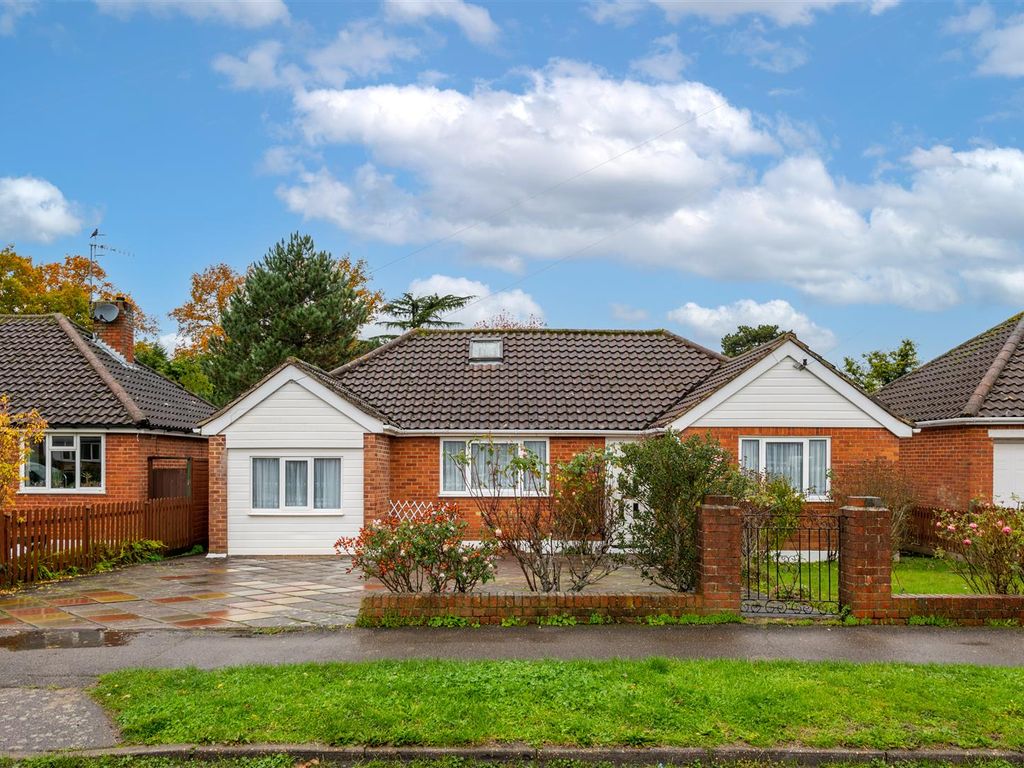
[285, 761]
[632, 703]
[914, 575]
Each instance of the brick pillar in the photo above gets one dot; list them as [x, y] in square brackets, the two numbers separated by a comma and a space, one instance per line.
[376, 476]
[218, 494]
[719, 544]
[865, 558]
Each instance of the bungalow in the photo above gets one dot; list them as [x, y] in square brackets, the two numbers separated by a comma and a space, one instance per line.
[306, 456]
[968, 405]
[116, 429]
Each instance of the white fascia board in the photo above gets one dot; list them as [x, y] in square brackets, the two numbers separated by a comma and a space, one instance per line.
[292, 374]
[822, 372]
[1006, 434]
[398, 431]
[979, 421]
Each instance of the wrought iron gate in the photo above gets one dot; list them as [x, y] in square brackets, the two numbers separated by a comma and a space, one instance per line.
[791, 564]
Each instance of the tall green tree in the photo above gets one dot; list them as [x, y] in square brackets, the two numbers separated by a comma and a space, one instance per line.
[297, 301]
[881, 367]
[747, 337]
[184, 369]
[409, 311]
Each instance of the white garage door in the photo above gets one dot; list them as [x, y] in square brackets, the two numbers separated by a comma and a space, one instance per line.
[1008, 472]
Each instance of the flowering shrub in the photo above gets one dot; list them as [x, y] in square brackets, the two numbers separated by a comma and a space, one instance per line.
[985, 546]
[420, 552]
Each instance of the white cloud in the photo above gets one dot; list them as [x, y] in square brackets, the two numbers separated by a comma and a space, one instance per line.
[998, 46]
[258, 70]
[628, 314]
[710, 324]
[724, 196]
[361, 49]
[664, 62]
[171, 342]
[239, 13]
[11, 11]
[764, 53]
[34, 209]
[784, 13]
[515, 303]
[474, 21]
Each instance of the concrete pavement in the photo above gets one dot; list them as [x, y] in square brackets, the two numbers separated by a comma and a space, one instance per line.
[75, 658]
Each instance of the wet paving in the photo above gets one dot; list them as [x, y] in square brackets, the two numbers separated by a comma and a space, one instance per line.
[229, 593]
[194, 593]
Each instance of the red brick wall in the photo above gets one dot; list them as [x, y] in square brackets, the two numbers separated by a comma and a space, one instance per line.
[950, 465]
[376, 475]
[415, 471]
[218, 454]
[126, 469]
[850, 445]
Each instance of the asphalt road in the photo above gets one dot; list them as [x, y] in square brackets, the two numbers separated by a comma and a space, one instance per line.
[69, 658]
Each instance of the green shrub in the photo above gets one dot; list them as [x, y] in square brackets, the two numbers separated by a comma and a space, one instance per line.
[423, 552]
[985, 547]
[930, 621]
[668, 477]
[513, 621]
[556, 620]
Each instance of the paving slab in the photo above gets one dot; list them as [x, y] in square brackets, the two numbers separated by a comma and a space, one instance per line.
[40, 720]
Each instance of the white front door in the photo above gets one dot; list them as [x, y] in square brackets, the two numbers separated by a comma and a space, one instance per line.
[1008, 472]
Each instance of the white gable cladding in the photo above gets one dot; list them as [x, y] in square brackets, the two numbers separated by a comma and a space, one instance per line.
[786, 396]
[292, 421]
[790, 388]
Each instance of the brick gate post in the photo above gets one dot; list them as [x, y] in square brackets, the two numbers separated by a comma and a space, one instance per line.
[865, 558]
[719, 544]
[218, 495]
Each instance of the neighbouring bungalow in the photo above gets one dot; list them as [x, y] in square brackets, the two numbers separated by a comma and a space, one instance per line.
[117, 431]
[968, 405]
[307, 456]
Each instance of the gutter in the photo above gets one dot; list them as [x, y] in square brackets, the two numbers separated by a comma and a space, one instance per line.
[978, 421]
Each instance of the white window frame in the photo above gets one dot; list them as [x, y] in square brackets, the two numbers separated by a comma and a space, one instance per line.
[99, 489]
[762, 440]
[468, 470]
[308, 510]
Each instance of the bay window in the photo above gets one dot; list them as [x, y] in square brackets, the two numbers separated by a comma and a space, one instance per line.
[486, 465]
[65, 463]
[296, 484]
[803, 461]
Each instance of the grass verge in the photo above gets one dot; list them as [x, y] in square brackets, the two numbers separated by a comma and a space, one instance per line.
[583, 703]
[285, 761]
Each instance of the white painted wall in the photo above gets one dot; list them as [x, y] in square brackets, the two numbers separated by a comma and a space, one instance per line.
[292, 421]
[786, 396]
[1008, 471]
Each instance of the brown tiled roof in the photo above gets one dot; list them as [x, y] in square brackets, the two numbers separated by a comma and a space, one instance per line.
[726, 371]
[983, 377]
[547, 380]
[53, 365]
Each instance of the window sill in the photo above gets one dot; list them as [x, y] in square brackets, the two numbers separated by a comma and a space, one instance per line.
[457, 495]
[295, 513]
[63, 491]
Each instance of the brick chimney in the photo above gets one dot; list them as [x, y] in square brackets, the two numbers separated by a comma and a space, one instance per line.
[119, 333]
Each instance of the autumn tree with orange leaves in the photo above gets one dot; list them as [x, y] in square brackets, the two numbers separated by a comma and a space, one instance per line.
[199, 318]
[296, 302]
[62, 286]
[19, 432]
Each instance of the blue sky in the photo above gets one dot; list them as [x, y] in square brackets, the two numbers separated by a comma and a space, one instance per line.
[849, 169]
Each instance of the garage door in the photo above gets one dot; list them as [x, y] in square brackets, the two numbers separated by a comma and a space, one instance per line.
[1008, 472]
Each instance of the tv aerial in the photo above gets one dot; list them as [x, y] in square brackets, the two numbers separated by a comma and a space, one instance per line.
[96, 246]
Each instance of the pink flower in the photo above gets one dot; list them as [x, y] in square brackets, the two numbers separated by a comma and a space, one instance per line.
[967, 542]
[973, 526]
[950, 527]
[999, 522]
[1007, 529]
[938, 523]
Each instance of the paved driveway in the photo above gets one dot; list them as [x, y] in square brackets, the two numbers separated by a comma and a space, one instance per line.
[195, 592]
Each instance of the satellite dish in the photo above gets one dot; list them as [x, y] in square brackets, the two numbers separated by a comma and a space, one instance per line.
[105, 311]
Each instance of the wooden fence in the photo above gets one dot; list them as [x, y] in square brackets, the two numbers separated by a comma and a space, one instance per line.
[37, 542]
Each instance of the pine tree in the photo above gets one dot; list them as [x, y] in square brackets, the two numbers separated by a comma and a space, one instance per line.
[296, 302]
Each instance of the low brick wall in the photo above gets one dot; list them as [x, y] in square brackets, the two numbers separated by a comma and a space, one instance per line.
[971, 610]
[491, 608]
